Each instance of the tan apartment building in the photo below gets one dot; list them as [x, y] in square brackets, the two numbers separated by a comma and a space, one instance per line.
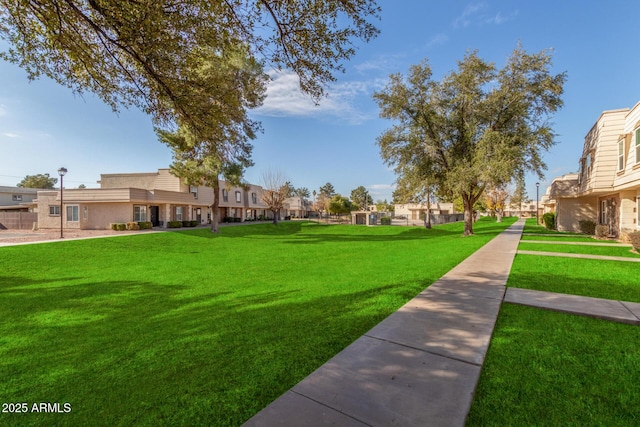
[414, 211]
[157, 197]
[606, 189]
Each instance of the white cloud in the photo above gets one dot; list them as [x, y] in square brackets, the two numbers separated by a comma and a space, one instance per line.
[438, 39]
[11, 135]
[469, 14]
[476, 14]
[284, 98]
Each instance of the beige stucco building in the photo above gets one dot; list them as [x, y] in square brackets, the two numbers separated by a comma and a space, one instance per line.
[606, 189]
[157, 197]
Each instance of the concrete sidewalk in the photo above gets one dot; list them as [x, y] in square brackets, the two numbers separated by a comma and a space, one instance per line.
[616, 311]
[419, 366]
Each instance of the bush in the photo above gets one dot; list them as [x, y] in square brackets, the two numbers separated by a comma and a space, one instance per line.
[174, 224]
[385, 220]
[587, 227]
[602, 231]
[145, 225]
[549, 220]
[121, 227]
[133, 226]
[113, 226]
[635, 240]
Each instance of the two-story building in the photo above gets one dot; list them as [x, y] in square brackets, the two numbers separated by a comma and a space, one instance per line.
[606, 189]
[158, 197]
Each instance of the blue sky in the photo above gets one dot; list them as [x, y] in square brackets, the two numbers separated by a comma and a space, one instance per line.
[44, 126]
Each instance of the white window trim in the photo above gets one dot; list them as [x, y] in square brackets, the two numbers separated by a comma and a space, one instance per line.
[621, 155]
[53, 209]
[142, 213]
[75, 213]
[238, 197]
[637, 146]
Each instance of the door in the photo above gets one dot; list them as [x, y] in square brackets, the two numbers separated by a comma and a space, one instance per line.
[154, 212]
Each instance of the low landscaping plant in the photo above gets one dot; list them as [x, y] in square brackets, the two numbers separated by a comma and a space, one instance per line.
[386, 220]
[133, 226]
[602, 231]
[587, 227]
[174, 224]
[634, 237]
[145, 225]
[549, 220]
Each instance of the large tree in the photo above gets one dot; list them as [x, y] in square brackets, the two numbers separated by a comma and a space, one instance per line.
[230, 83]
[38, 181]
[144, 52]
[360, 198]
[479, 126]
[275, 190]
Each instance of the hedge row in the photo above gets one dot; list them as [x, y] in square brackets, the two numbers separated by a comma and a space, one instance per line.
[141, 225]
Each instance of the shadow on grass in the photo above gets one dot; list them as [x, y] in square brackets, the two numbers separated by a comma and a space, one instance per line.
[310, 232]
[139, 353]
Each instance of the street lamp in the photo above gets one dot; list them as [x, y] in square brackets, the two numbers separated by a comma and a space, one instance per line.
[62, 171]
[537, 198]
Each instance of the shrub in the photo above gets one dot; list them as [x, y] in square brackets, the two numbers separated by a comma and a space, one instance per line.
[386, 220]
[121, 226]
[635, 240]
[113, 226]
[145, 225]
[587, 227]
[174, 224]
[133, 226]
[602, 231]
[194, 223]
[549, 220]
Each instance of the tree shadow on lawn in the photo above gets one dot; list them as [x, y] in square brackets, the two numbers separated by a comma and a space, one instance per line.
[583, 286]
[131, 352]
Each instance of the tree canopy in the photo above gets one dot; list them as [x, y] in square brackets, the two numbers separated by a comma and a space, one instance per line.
[38, 181]
[360, 198]
[148, 53]
[479, 126]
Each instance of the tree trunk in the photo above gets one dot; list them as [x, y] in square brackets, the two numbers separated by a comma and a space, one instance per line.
[215, 208]
[468, 214]
[499, 215]
[275, 217]
[427, 218]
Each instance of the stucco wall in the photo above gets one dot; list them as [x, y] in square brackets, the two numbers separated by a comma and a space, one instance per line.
[569, 213]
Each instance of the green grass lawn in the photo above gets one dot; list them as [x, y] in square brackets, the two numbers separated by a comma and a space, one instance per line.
[620, 251]
[551, 369]
[191, 328]
[567, 238]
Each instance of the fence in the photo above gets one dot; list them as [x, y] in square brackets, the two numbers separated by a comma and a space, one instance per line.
[18, 220]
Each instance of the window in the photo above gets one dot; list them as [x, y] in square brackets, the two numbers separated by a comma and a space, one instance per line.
[139, 213]
[604, 219]
[238, 199]
[587, 167]
[16, 197]
[225, 195]
[254, 198]
[621, 155]
[638, 146]
[193, 190]
[72, 213]
[178, 213]
[54, 210]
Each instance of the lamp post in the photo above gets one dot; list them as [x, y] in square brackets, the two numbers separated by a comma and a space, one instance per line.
[62, 171]
[537, 198]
